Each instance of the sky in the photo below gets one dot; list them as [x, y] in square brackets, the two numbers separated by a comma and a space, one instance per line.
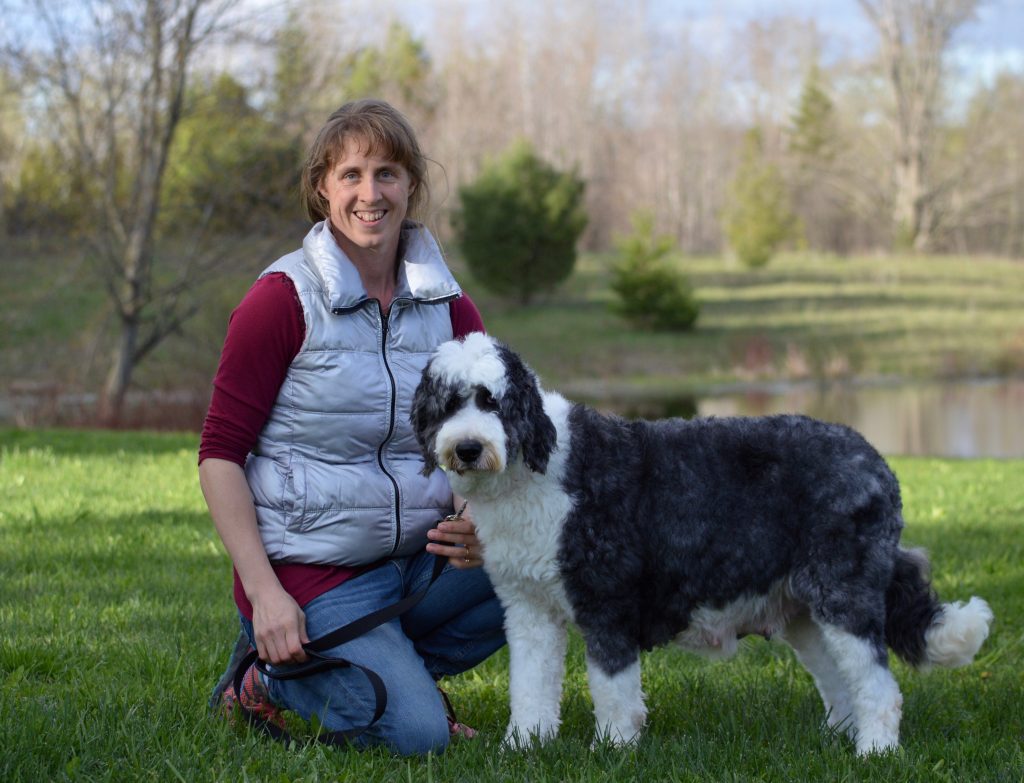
[993, 41]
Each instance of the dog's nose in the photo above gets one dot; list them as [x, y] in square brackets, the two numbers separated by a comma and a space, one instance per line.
[468, 451]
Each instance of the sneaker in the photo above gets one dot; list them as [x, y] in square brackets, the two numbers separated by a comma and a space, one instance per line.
[455, 729]
[254, 697]
[238, 652]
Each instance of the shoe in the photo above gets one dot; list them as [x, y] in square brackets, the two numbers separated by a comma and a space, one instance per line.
[254, 697]
[238, 652]
[455, 729]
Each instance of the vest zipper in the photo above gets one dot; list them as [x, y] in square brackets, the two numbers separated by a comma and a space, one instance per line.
[391, 423]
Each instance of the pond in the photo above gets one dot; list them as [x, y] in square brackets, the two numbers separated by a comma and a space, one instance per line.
[982, 418]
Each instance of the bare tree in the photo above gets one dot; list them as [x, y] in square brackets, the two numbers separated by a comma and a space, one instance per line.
[915, 36]
[112, 76]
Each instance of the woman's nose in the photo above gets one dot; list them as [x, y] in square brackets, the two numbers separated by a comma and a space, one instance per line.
[368, 190]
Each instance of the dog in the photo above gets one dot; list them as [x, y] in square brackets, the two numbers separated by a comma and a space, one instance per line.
[696, 532]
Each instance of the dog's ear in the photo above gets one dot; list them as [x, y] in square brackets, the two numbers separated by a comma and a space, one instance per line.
[426, 416]
[524, 413]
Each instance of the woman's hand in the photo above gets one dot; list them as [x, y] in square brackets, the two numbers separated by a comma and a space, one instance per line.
[279, 626]
[456, 539]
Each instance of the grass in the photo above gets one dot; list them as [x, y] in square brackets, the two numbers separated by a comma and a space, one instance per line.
[115, 618]
[805, 316]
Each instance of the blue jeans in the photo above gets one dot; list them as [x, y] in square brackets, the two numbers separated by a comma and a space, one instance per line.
[456, 626]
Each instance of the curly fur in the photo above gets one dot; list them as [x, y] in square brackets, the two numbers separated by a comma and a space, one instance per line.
[694, 532]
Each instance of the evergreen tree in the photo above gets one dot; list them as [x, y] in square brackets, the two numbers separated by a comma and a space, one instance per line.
[519, 223]
[650, 294]
[398, 69]
[813, 133]
[758, 217]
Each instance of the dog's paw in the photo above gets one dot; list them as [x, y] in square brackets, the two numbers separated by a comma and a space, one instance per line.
[518, 738]
[615, 739]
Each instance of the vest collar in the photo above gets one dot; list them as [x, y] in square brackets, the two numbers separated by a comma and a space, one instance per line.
[422, 274]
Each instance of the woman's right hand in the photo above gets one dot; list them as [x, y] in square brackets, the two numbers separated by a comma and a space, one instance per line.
[279, 626]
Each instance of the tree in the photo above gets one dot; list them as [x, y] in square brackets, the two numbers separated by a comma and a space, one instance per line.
[757, 218]
[230, 169]
[914, 37]
[813, 134]
[519, 223]
[398, 69]
[650, 294]
[112, 76]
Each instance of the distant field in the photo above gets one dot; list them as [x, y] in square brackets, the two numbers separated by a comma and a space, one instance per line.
[804, 316]
[116, 616]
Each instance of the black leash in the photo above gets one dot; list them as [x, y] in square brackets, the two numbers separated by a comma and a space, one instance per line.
[318, 662]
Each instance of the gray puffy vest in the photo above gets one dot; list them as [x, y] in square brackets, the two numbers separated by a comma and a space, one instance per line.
[335, 473]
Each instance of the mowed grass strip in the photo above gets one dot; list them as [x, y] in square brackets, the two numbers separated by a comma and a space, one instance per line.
[804, 316]
[115, 619]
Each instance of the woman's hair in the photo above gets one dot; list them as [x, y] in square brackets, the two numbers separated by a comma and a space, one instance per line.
[383, 131]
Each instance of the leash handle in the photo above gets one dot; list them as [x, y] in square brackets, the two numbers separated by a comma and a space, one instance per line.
[319, 662]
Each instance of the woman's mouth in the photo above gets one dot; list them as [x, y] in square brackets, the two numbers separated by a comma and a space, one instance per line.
[371, 216]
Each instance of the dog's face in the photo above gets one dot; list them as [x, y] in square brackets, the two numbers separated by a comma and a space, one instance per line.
[478, 408]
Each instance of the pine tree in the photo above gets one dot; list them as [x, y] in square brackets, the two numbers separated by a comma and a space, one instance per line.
[812, 132]
[758, 218]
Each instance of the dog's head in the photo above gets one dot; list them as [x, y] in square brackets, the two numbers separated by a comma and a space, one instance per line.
[478, 407]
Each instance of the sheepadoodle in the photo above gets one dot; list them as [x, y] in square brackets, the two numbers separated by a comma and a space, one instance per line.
[694, 532]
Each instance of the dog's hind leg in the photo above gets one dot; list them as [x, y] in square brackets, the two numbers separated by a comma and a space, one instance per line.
[537, 646]
[619, 709]
[808, 642]
[874, 695]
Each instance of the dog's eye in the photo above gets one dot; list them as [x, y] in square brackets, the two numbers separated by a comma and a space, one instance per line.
[485, 400]
[452, 404]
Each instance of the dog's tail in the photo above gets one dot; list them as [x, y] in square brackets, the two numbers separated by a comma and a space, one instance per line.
[923, 631]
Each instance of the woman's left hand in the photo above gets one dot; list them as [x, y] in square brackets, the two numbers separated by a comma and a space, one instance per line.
[456, 539]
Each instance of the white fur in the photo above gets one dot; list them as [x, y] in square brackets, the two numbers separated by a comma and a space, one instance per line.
[714, 632]
[471, 424]
[874, 695]
[808, 642]
[619, 710]
[474, 361]
[958, 633]
[518, 516]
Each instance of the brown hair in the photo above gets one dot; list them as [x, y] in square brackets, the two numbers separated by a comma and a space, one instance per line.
[385, 132]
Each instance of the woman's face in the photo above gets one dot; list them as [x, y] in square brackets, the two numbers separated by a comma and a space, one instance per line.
[368, 198]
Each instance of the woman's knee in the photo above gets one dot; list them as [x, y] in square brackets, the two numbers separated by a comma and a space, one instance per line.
[417, 738]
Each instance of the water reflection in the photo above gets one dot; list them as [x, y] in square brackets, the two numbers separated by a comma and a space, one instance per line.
[961, 419]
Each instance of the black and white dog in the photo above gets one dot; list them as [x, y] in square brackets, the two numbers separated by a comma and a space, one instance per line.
[697, 532]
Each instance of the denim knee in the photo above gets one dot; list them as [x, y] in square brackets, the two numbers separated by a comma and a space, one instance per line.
[417, 738]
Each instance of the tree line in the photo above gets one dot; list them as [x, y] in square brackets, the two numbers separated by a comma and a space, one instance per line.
[118, 126]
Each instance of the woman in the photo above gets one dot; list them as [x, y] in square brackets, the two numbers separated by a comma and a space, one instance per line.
[308, 463]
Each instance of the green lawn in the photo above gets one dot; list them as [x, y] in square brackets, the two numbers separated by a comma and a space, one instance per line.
[115, 617]
[804, 316]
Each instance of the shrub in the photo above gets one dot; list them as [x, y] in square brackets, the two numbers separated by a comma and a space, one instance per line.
[650, 294]
[518, 224]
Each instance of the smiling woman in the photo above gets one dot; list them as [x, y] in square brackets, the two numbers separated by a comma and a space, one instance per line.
[368, 197]
[310, 470]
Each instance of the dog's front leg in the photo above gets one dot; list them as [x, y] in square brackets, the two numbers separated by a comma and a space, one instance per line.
[536, 642]
[619, 709]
